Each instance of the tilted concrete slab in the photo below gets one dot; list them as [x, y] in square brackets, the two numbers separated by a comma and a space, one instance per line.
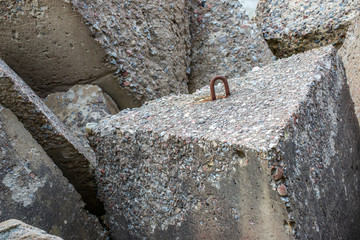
[223, 42]
[14, 229]
[277, 159]
[350, 55]
[34, 190]
[77, 163]
[292, 26]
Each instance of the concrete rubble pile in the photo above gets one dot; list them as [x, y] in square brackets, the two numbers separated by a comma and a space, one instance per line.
[292, 26]
[146, 46]
[76, 162]
[81, 105]
[34, 190]
[350, 54]
[277, 159]
[14, 229]
[223, 42]
[134, 51]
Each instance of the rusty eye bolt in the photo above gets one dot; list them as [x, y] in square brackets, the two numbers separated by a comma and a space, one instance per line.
[212, 88]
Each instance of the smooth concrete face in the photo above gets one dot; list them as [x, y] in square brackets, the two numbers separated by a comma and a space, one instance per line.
[33, 189]
[49, 45]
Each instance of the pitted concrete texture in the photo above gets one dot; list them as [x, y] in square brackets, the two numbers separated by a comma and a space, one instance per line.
[14, 229]
[350, 55]
[134, 51]
[148, 42]
[223, 42]
[277, 159]
[76, 162]
[33, 189]
[292, 26]
[80, 105]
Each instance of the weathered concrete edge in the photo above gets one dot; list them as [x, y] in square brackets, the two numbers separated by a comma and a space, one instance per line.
[76, 163]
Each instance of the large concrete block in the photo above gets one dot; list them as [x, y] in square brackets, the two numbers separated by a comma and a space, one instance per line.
[14, 229]
[76, 162]
[134, 51]
[350, 54]
[292, 26]
[277, 159]
[34, 190]
[223, 42]
[81, 105]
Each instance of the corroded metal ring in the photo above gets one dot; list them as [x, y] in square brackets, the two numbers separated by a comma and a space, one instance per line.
[212, 88]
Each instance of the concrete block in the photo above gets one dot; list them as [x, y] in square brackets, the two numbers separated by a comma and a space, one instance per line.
[223, 42]
[291, 27]
[278, 159]
[133, 51]
[34, 190]
[81, 105]
[77, 163]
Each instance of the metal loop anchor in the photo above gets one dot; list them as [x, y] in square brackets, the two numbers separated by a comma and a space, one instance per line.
[212, 87]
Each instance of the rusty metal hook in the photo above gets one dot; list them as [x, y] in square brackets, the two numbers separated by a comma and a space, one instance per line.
[212, 88]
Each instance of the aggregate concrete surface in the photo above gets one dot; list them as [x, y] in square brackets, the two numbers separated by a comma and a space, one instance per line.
[186, 167]
[35, 191]
[223, 42]
[292, 26]
[81, 105]
[148, 42]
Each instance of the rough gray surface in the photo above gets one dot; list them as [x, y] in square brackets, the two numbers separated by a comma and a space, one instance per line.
[148, 42]
[55, 35]
[292, 26]
[14, 229]
[196, 169]
[34, 190]
[350, 55]
[81, 105]
[140, 51]
[223, 42]
[77, 163]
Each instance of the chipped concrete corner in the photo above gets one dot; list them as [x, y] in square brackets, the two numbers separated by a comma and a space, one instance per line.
[186, 173]
[34, 190]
